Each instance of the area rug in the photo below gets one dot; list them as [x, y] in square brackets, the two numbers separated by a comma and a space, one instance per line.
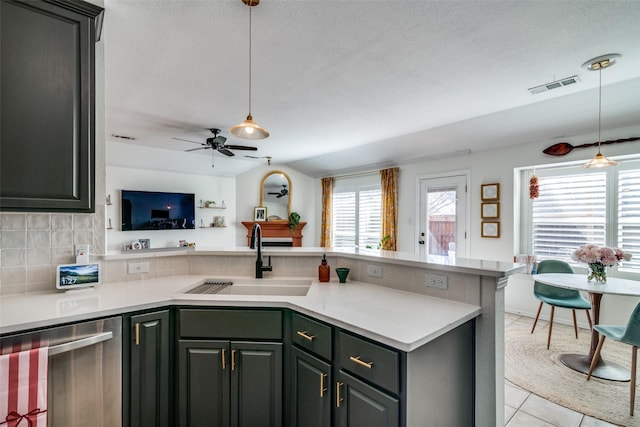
[528, 364]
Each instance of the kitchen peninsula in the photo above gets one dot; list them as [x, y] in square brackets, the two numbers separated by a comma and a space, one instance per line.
[396, 310]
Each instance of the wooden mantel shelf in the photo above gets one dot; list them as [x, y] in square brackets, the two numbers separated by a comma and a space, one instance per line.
[278, 229]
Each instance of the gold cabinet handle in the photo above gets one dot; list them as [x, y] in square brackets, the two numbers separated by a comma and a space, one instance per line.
[304, 335]
[224, 365]
[338, 398]
[322, 388]
[233, 360]
[137, 333]
[357, 360]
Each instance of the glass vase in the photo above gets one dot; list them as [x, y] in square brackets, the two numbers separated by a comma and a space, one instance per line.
[597, 273]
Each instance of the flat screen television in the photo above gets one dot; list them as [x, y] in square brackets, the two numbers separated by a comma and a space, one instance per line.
[152, 210]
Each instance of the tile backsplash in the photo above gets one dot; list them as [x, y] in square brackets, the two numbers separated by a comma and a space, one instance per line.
[33, 244]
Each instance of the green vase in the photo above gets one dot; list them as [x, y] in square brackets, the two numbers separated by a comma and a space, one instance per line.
[597, 272]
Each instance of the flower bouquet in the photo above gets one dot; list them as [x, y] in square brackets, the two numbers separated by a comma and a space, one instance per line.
[599, 258]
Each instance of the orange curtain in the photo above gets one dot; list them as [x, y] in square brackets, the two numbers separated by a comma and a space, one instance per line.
[389, 214]
[327, 196]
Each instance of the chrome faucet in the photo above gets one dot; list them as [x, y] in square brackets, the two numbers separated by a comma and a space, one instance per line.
[256, 243]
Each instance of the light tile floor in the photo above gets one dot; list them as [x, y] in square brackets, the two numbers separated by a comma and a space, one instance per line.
[525, 409]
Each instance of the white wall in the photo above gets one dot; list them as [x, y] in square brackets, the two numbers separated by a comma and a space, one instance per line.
[303, 193]
[205, 187]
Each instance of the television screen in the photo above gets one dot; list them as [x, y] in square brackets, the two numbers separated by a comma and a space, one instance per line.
[151, 210]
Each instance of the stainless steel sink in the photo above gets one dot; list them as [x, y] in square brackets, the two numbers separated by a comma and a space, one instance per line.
[273, 286]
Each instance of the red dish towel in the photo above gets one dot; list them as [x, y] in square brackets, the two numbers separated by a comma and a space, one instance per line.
[23, 388]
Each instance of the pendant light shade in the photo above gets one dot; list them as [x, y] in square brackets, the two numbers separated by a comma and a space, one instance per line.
[249, 129]
[598, 64]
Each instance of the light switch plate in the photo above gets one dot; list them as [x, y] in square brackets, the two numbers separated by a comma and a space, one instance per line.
[374, 270]
[137, 267]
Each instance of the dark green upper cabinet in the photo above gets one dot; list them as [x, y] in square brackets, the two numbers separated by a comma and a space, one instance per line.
[47, 105]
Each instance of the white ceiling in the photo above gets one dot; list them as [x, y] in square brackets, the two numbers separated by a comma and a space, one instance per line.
[345, 85]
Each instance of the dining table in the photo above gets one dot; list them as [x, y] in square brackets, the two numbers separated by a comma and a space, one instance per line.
[613, 286]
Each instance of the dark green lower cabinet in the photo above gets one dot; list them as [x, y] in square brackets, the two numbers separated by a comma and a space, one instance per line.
[360, 405]
[149, 371]
[311, 390]
[229, 383]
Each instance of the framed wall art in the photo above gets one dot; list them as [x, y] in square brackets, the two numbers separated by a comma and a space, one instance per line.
[490, 210]
[490, 192]
[491, 229]
[260, 213]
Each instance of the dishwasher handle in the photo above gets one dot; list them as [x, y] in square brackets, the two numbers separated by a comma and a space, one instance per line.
[84, 342]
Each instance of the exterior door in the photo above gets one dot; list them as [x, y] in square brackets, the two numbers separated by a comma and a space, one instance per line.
[442, 228]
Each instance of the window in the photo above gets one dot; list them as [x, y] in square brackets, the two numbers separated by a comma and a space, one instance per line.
[356, 211]
[576, 207]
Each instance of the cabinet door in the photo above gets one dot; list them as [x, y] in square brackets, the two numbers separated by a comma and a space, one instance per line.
[47, 97]
[203, 383]
[310, 390]
[361, 405]
[256, 384]
[149, 370]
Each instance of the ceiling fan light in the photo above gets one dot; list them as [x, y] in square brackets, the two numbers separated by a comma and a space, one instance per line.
[249, 130]
[600, 161]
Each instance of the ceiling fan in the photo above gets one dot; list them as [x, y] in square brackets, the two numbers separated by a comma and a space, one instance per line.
[217, 142]
[280, 193]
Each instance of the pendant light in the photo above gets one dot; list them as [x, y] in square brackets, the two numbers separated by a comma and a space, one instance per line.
[598, 64]
[249, 129]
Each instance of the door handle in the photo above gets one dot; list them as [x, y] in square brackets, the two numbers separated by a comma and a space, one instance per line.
[338, 398]
[224, 365]
[322, 389]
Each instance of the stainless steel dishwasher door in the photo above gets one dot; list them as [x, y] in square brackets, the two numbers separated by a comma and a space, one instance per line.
[85, 372]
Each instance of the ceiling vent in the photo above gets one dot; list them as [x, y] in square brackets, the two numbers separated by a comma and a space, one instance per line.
[554, 84]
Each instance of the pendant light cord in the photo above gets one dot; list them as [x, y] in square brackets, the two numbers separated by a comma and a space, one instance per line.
[599, 106]
[250, 7]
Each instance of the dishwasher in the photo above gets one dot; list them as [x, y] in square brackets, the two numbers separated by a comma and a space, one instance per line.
[84, 380]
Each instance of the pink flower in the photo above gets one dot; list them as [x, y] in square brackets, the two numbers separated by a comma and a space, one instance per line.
[591, 253]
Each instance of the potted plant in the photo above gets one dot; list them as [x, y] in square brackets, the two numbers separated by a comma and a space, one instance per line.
[294, 221]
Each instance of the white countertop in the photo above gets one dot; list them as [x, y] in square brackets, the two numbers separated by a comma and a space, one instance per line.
[402, 320]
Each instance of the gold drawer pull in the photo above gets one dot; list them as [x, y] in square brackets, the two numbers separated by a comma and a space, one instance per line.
[322, 388]
[338, 398]
[233, 360]
[137, 333]
[361, 362]
[304, 335]
[224, 365]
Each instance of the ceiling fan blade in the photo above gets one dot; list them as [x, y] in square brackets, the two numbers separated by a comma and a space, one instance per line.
[226, 152]
[186, 140]
[196, 149]
[241, 147]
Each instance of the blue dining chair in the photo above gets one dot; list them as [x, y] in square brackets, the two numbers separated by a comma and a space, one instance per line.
[629, 334]
[558, 297]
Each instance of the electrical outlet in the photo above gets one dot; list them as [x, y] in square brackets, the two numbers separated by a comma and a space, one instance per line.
[137, 267]
[437, 281]
[374, 270]
[82, 248]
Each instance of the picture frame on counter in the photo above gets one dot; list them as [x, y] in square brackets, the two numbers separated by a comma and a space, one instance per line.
[260, 213]
[490, 210]
[491, 229]
[490, 192]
